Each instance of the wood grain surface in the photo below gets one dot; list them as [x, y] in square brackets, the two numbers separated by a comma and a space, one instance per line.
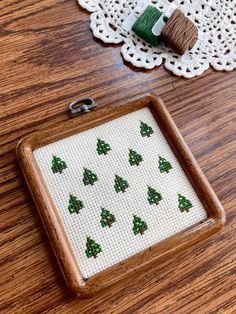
[49, 57]
[141, 261]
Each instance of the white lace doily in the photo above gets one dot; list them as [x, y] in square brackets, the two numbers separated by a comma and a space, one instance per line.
[216, 20]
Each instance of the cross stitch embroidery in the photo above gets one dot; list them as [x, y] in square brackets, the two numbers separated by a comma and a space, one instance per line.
[102, 147]
[107, 218]
[184, 203]
[154, 197]
[58, 165]
[89, 177]
[92, 248]
[164, 165]
[120, 184]
[134, 158]
[139, 226]
[75, 205]
[145, 129]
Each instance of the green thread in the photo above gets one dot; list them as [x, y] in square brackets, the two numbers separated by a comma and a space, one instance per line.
[154, 197]
[134, 158]
[107, 218]
[145, 129]
[139, 226]
[184, 203]
[75, 205]
[120, 184]
[144, 24]
[89, 177]
[164, 165]
[92, 248]
[58, 165]
[102, 147]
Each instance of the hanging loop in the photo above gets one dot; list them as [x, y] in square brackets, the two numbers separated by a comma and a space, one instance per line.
[81, 106]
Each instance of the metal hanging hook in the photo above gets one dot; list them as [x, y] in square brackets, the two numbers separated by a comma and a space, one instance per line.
[81, 106]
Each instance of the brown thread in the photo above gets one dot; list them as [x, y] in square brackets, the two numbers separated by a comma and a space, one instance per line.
[179, 33]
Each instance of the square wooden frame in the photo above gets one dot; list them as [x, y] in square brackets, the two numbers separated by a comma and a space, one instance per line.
[140, 261]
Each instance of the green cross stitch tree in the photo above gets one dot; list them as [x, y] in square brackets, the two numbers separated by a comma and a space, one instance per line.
[184, 203]
[58, 165]
[92, 248]
[134, 158]
[107, 218]
[145, 129]
[164, 165]
[120, 184]
[139, 226]
[74, 204]
[154, 197]
[102, 147]
[89, 177]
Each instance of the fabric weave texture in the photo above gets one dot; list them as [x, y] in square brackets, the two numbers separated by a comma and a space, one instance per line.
[118, 241]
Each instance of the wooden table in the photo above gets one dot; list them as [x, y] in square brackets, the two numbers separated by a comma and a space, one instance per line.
[48, 58]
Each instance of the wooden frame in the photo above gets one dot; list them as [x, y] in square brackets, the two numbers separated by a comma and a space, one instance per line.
[160, 251]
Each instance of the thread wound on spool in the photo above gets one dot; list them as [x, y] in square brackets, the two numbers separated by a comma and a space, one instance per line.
[144, 24]
[179, 33]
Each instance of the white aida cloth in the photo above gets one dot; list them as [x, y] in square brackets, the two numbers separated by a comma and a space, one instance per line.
[119, 241]
[215, 19]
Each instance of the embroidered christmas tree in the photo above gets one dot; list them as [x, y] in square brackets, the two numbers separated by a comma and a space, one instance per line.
[58, 165]
[154, 197]
[145, 129]
[184, 203]
[102, 147]
[107, 218]
[92, 248]
[134, 158]
[75, 205]
[164, 165]
[89, 177]
[139, 226]
[120, 184]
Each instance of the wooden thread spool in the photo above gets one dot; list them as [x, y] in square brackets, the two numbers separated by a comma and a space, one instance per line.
[179, 33]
